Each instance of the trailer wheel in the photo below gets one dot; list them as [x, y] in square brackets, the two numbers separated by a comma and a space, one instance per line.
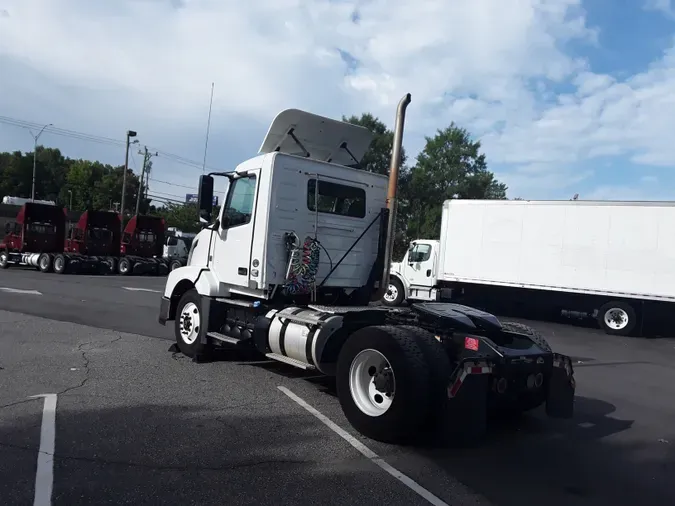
[383, 384]
[4, 260]
[45, 262]
[176, 264]
[60, 264]
[189, 325]
[395, 293]
[533, 334]
[125, 266]
[617, 318]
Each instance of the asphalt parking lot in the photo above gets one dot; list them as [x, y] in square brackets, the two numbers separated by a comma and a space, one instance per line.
[136, 424]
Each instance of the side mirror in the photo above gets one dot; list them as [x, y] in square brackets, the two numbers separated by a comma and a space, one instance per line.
[205, 198]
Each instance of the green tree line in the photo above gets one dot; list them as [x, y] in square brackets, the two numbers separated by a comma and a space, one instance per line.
[451, 165]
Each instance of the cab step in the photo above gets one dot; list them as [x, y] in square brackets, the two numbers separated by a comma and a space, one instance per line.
[224, 338]
[290, 361]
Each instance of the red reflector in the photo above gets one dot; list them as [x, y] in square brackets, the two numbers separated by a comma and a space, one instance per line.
[471, 343]
[476, 370]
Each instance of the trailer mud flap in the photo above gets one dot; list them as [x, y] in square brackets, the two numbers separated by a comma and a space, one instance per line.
[561, 389]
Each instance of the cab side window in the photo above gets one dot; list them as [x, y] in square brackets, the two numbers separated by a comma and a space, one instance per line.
[239, 205]
[420, 253]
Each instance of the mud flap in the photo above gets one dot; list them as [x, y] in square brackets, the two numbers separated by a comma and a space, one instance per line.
[561, 389]
[463, 419]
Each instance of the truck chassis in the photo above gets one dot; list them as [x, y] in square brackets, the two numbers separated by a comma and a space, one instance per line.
[398, 372]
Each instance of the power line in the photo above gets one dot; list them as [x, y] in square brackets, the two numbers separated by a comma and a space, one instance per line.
[172, 184]
[64, 132]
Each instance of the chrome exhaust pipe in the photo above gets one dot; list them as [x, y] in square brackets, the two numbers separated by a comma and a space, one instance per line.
[394, 168]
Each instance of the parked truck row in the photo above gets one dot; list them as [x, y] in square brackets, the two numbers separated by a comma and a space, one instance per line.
[610, 261]
[40, 237]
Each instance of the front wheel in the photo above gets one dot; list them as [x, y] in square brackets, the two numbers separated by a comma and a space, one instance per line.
[189, 326]
[383, 384]
[395, 293]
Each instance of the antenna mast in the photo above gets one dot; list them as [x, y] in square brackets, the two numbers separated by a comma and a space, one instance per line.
[208, 128]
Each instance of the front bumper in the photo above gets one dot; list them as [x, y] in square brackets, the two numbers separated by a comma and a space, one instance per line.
[164, 308]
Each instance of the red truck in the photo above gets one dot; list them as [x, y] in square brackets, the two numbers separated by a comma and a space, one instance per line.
[37, 239]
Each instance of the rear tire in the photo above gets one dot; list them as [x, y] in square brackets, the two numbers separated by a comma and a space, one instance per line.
[394, 417]
[125, 266]
[535, 335]
[617, 318]
[395, 293]
[189, 325]
[4, 260]
[175, 265]
[60, 264]
[45, 262]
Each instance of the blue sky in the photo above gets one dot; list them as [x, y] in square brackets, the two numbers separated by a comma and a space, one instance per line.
[567, 96]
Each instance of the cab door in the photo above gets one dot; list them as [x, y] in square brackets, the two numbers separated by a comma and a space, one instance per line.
[232, 251]
[419, 265]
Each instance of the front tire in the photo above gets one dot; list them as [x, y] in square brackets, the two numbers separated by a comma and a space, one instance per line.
[383, 384]
[189, 326]
[395, 293]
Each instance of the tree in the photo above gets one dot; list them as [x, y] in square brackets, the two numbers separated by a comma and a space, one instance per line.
[450, 166]
[378, 157]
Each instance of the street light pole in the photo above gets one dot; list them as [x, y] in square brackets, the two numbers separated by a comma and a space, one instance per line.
[130, 133]
[35, 138]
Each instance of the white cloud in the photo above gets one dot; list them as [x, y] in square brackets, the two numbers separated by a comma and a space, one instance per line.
[489, 65]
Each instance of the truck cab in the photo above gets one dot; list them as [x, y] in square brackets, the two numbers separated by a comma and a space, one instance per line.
[415, 276]
[95, 233]
[37, 232]
[177, 247]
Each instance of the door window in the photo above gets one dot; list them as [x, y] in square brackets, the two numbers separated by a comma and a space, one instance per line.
[420, 253]
[239, 206]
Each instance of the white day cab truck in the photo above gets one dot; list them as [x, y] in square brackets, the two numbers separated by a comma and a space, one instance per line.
[289, 268]
[611, 261]
[177, 247]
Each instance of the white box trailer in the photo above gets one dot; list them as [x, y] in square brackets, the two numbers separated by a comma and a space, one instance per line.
[587, 258]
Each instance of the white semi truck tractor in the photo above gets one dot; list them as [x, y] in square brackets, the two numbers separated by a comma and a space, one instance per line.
[290, 266]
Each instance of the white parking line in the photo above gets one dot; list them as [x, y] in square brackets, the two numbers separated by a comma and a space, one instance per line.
[44, 477]
[18, 290]
[367, 452]
[134, 289]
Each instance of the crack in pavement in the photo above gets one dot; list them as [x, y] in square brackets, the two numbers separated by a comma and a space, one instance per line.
[158, 467]
[85, 365]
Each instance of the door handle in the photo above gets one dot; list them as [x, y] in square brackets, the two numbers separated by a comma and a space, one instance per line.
[428, 272]
[242, 271]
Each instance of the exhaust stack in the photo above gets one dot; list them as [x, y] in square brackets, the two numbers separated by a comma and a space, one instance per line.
[391, 193]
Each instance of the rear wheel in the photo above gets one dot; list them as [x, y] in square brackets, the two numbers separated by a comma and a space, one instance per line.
[125, 266]
[60, 264]
[383, 384]
[4, 260]
[176, 264]
[45, 262]
[395, 293]
[618, 318]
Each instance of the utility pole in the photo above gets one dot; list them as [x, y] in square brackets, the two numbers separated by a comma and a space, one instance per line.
[146, 164]
[130, 133]
[35, 138]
